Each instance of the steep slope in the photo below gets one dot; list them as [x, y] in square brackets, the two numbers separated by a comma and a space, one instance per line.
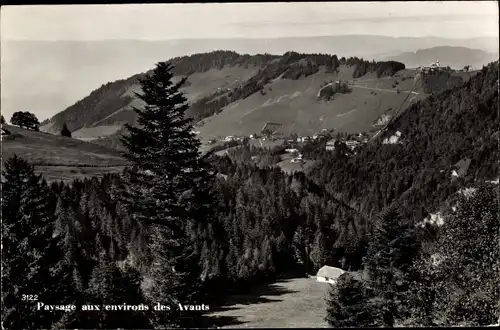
[435, 134]
[47, 66]
[108, 105]
[220, 80]
[58, 157]
[454, 57]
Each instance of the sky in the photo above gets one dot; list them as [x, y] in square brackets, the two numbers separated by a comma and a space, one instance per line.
[46, 82]
[449, 19]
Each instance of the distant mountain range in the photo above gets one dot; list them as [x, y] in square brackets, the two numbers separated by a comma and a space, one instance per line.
[454, 57]
[45, 77]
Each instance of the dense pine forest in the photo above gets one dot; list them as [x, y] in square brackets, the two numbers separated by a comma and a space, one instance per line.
[180, 228]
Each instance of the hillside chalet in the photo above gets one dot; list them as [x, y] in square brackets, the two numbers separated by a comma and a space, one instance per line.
[303, 139]
[330, 145]
[352, 144]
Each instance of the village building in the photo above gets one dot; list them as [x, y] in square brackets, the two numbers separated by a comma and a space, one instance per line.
[432, 69]
[330, 145]
[352, 144]
[329, 274]
[303, 139]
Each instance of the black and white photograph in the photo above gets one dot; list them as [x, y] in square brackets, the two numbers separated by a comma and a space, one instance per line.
[250, 165]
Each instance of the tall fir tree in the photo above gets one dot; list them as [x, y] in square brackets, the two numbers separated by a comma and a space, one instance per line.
[349, 305]
[465, 268]
[393, 247]
[30, 250]
[167, 192]
[65, 131]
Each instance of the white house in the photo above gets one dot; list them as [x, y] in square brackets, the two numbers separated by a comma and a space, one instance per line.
[352, 144]
[329, 274]
[330, 145]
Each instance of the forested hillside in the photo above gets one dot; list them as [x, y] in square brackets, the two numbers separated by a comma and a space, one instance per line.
[414, 174]
[176, 226]
[111, 103]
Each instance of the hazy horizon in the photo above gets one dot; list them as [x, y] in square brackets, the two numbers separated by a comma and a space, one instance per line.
[251, 38]
[47, 78]
[445, 19]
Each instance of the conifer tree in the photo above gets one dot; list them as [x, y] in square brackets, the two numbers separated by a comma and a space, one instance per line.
[349, 305]
[29, 250]
[112, 285]
[467, 272]
[167, 191]
[2, 120]
[393, 247]
[65, 131]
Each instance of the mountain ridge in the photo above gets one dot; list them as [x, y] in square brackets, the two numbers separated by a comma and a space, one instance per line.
[251, 90]
[456, 57]
[251, 74]
[40, 87]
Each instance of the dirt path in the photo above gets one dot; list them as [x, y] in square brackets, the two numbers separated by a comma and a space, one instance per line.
[290, 303]
[383, 90]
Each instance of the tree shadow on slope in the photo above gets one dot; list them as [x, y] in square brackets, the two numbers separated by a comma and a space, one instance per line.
[266, 293]
[222, 321]
[258, 295]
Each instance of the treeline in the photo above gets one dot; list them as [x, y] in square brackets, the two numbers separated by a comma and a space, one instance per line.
[447, 277]
[436, 133]
[291, 65]
[382, 68]
[175, 226]
[99, 104]
[435, 84]
[109, 98]
[202, 62]
[166, 230]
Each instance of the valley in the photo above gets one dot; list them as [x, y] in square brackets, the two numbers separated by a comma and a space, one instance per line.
[292, 102]
[370, 170]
